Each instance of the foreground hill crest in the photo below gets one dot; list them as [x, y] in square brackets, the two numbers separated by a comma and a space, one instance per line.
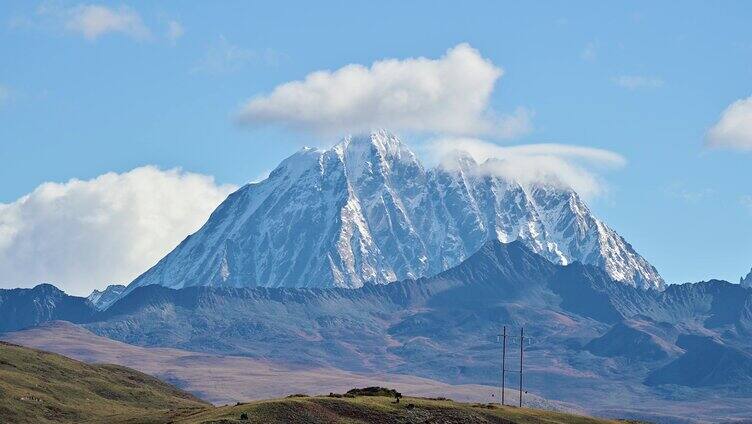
[367, 211]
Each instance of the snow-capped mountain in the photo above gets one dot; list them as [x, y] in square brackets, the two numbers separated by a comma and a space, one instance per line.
[367, 210]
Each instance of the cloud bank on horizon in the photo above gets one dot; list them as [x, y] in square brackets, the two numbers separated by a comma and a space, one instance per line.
[81, 235]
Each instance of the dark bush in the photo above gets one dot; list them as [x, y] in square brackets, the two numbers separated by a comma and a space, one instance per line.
[244, 416]
[375, 391]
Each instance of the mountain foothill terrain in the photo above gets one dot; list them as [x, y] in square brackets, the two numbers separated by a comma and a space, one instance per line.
[39, 387]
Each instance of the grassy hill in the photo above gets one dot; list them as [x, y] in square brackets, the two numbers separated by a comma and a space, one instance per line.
[41, 387]
[379, 409]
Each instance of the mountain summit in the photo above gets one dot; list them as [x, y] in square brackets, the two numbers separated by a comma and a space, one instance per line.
[367, 211]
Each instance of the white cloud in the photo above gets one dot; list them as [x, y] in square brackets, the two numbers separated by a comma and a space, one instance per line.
[224, 57]
[81, 235]
[688, 195]
[734, 129]
[4, 95]
[633, 82]
[590, 51]
[93, 21]
[449, 95]
[746, 202]
[174, 31]
[557, 164]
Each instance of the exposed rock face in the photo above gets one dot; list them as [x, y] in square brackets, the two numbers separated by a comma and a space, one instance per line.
[103, 299]
[746, 281]
[21, 308]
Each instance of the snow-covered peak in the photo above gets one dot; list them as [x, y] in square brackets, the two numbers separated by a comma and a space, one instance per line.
[366, 210]
[298, 163]
[380, 145]
[458, 161]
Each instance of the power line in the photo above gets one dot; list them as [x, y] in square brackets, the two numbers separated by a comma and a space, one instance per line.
[522, 344]
[522, 339]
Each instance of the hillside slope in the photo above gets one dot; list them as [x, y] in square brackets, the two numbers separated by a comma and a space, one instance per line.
[378, 409]
[41, 387]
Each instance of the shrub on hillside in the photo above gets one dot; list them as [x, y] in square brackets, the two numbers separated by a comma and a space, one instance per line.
[375, 391]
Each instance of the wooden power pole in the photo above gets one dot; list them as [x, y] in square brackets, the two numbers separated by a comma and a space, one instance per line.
[503, 361]
[522, 343]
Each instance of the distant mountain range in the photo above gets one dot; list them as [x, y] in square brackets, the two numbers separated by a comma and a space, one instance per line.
[649, 350]
[22, 308]
[367, 211]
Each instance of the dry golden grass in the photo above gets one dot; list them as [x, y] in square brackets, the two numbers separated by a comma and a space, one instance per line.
[42, 387]
[373, 409]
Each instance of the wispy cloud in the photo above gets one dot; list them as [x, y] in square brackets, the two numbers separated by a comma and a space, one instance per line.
[634, 82]
[688, 195]
[4, 95]
[734, 129]
[448, 95]
[574, 167]
[93, 21]
[746, 202]
[174, 31]
[590, 51]
[224, 57]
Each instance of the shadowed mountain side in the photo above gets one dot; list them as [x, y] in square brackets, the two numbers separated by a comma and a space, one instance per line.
[21, 308]
[637, 340]
[707, 362]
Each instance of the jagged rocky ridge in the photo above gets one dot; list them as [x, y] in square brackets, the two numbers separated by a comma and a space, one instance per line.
[367, 210]
[103, 299]
[746, 281]
[21, 308]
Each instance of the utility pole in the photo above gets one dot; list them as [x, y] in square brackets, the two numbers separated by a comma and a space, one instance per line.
[503, 361]
[522, 343]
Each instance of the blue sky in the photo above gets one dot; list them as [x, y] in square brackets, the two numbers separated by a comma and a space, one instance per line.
[645, 80]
